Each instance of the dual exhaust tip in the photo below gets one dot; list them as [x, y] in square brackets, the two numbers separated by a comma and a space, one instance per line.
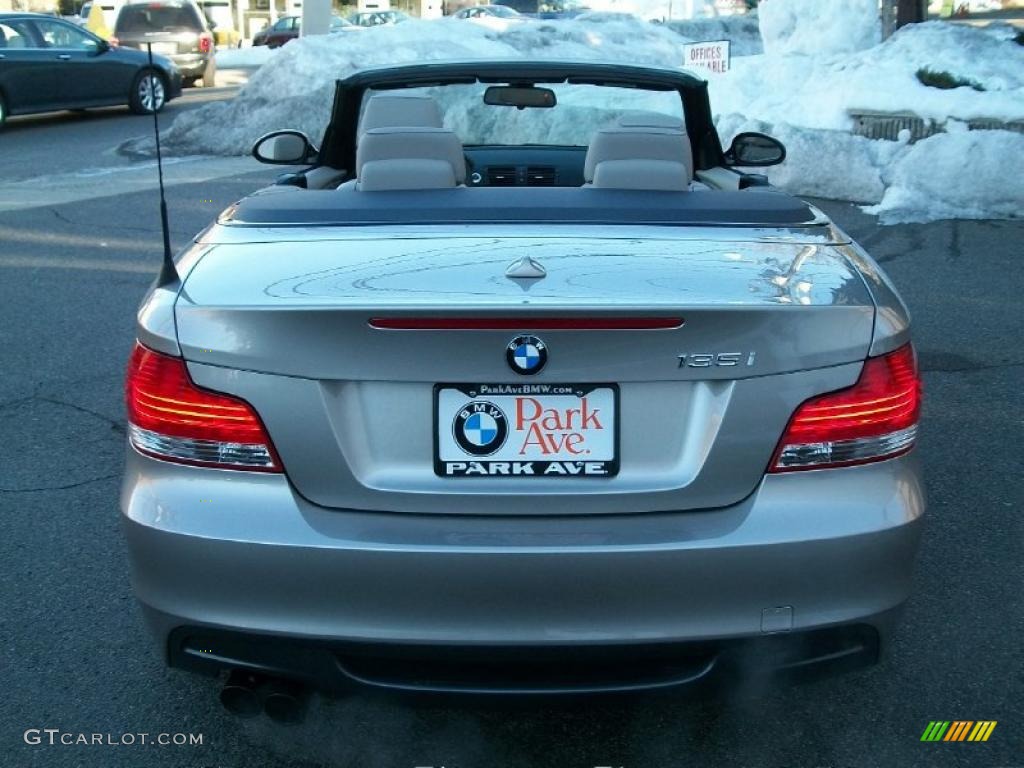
[247, 694]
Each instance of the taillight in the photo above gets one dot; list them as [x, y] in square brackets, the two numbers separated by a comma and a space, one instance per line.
[205, 42]
[874, 419]
[171, 418]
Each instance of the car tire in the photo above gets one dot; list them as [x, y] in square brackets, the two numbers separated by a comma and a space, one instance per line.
[145, 100]
[210, 75]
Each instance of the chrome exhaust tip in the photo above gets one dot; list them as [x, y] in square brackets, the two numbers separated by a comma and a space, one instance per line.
[239, 694]
[285, 701]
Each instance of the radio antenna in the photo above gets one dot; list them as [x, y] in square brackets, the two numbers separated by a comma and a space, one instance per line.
[168, 274]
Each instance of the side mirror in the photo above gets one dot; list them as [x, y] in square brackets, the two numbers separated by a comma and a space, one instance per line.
[101, 46]
[755, 149]
[288, 147]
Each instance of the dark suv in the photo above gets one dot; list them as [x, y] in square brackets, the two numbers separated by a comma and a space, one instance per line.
[177, 29]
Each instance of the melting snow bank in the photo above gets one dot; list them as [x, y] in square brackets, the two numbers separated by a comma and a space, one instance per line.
[253, 56]
[969, 175]
[741, 30]
[804, 100]
[295, 87]
[817, 26]
[958, 175]
[819, 91]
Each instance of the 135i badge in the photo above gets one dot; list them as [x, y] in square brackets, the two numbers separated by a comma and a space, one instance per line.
[715, 359]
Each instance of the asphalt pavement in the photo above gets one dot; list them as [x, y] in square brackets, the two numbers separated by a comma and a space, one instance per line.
[76, 656]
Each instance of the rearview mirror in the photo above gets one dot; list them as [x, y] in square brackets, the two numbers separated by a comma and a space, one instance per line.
[521, 98]
[755, 149]
[287, 147]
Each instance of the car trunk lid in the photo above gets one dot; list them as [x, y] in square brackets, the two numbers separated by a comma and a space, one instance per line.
[306, 331]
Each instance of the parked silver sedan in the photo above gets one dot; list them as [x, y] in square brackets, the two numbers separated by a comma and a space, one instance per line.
[562, 401]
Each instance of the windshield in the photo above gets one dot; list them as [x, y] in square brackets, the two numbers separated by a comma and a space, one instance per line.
[143, 19]
[580, 110]
[503, 11]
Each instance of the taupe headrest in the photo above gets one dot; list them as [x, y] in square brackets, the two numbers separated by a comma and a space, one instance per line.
[650, 120]
[409, 158]
[662, 144]
[398, 110]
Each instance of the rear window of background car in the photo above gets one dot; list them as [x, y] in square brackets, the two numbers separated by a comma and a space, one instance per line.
[14, 34]
[157, 17]
[57, 34]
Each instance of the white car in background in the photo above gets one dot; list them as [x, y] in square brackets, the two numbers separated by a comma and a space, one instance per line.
[496, 17]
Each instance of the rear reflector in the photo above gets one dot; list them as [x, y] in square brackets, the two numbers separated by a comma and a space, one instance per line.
[525, 323]
[171, 418]
[874, 419]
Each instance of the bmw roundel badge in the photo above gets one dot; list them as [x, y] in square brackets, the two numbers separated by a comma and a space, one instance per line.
[480, 428]
[526, 355]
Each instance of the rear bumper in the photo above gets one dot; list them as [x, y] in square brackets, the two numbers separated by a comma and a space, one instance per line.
[191, 64]
[215, 553]
[523, 670]
[174, 85]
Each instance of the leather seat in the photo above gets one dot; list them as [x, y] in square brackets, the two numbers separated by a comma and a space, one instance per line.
[640, 152]
[407, 158]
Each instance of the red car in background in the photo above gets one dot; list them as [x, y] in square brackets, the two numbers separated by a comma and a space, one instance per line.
[287, 28]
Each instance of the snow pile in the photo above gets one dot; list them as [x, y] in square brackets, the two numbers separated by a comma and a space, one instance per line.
[963, 175]
[741, 30]
[960, 174]
[234, 58]
[295, 87]
[819, 91]
[579, 114]
[806, 102]
[819, 26]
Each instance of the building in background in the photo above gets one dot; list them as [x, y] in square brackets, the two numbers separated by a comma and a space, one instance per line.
[33, 6]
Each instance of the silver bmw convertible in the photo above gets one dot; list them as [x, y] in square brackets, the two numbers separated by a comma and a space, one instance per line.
[521, 385]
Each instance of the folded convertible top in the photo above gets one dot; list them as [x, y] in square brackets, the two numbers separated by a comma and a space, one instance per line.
[290, 206]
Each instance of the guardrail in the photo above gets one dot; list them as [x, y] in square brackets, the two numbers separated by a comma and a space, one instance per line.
[887, 125]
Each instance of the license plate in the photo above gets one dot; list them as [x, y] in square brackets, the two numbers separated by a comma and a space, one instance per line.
[526, 430]
[165, 49]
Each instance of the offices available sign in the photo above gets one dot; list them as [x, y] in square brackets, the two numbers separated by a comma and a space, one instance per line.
[712, 56]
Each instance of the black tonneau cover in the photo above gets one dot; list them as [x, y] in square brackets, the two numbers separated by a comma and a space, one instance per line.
[282, 206]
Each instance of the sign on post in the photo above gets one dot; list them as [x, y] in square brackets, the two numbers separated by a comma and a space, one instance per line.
[712, 56]
[316, 17]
